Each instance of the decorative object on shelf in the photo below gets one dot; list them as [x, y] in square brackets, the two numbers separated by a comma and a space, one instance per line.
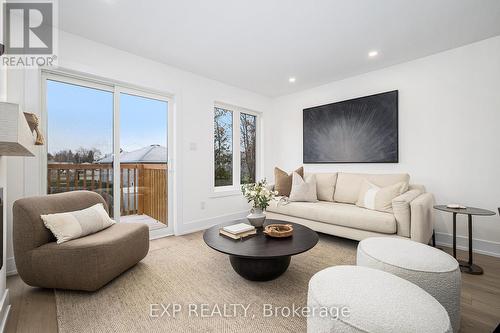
[260, 196]
[16, 138]
[33, 123]
[279, 230]
[360, 130]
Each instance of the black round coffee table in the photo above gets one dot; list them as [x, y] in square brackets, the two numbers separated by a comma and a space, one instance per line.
[260, 257]
[465, 266]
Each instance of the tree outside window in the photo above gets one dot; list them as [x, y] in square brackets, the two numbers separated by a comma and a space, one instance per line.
[248, 125]
[223, 146]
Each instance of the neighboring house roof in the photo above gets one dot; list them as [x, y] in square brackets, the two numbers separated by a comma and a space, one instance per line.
[149, 154]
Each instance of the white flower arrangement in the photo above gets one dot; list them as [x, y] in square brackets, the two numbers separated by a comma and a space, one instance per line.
[258, 194]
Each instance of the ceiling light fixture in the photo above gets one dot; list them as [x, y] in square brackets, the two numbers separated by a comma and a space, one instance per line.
[291, 79]
[372, 54]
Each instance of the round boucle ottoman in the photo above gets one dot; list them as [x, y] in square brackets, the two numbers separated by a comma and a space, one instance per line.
[429, 268]
[361, 299]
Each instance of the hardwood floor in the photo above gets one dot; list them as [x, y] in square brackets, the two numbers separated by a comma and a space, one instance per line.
[34, 309]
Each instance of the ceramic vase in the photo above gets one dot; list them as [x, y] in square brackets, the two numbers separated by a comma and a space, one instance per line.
[256, 217]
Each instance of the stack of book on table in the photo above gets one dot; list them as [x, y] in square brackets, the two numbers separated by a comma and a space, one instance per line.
[238, 231]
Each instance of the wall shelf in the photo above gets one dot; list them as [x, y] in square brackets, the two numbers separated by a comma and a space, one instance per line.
[16, 138]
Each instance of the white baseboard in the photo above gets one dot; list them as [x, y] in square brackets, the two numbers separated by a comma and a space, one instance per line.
[203, 224]
[4, 310]
[478, 245]
[11, 267]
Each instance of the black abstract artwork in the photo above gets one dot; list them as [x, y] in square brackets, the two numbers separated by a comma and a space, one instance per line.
[360, 130]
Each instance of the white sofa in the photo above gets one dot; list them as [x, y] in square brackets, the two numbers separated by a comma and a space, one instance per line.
[335, 212]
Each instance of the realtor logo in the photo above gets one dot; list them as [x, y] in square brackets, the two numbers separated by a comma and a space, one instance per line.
[28, 34]
[28, 28]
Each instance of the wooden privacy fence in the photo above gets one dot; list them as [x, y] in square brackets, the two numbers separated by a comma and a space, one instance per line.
[143, 187]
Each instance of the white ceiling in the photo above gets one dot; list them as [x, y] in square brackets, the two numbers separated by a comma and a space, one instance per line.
[259, 44]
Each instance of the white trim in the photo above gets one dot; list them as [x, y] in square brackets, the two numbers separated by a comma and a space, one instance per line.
[236, 149]
[159, 233]
[232, 107]
[162, 232]
[69, 74]
[145, 94]
[44, 122]
[224, 191]
[10, 266]
[203, 224]
[80, 81]
[3, 69]
[480, 246]
[220, 192]
[175, 154]
[116, 88]
[4, 310]
[116, 155]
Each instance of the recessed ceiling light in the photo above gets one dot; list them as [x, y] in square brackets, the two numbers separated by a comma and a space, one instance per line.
[291, 79]
[372, 54]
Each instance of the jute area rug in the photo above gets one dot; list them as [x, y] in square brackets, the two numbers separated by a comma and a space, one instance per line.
[184, 286]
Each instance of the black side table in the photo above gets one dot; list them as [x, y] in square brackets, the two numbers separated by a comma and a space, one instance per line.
[465, 266]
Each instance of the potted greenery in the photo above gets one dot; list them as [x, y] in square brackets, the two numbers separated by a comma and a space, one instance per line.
[259, 195]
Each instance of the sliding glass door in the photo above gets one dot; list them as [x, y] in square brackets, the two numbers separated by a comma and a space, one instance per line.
[143, 160]
[111, 140]
[80, 135]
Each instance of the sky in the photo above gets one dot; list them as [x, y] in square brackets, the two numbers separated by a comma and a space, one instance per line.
[83, 117]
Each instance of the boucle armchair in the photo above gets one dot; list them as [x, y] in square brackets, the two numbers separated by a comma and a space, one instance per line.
[86, 263]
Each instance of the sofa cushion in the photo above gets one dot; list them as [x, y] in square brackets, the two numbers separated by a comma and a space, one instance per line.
[349, 184]
[303, 189]
[325, 185]
[379, 198]
[346, 215]
[283, 181]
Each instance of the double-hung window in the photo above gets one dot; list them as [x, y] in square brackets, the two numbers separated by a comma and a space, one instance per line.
[235, 147]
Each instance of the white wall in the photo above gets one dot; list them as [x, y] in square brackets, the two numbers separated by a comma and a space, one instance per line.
[449, 127]
[4, 296]
[194, 100]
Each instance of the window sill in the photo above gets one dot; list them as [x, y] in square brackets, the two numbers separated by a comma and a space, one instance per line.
[225, 192]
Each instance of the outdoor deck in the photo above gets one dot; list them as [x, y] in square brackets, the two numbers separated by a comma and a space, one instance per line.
[151, 222]
[143, 189]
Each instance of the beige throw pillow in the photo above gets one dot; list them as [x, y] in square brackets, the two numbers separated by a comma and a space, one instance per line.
[76, 224]
[283, 181]
[325, 185]
[303, 189]
[375, 198]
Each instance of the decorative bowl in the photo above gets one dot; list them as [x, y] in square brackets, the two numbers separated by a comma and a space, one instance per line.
[278, 230]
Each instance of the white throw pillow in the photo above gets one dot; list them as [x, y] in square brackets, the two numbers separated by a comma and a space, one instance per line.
[303, 190]
[79, 223]
[375, 198]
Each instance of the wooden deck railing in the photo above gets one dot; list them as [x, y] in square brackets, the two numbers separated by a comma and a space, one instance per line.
[143, 188]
